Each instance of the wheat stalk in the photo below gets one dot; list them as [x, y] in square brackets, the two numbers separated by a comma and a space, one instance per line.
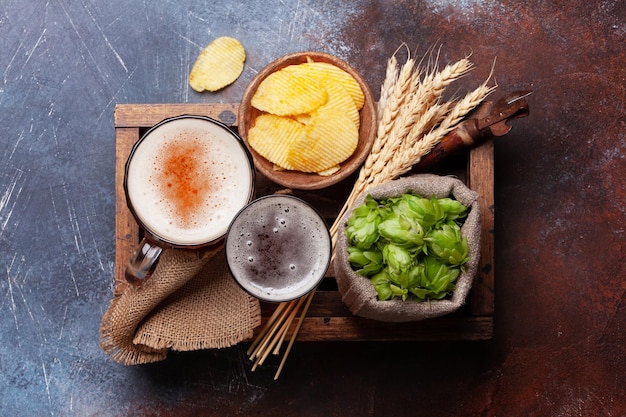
[412, 155]
[398, 93]
[430, 119]
[391, 75]
[450, 73]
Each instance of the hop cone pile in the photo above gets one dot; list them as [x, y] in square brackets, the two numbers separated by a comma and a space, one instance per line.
[409, 246]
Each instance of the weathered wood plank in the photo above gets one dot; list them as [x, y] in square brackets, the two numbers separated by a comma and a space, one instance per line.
[480, 179]
[357, 329]
[126, 229]
[146, 115]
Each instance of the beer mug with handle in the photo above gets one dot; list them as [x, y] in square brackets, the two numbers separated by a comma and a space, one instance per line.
[184, 181]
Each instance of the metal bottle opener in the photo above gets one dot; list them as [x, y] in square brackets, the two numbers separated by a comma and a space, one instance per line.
[489, 120]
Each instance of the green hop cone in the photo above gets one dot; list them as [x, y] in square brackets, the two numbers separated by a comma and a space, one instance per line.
[397, 258]
[362, 227]
[386, 289]
[440, 275]
[399, 263]
[426, 212]
[448, 244]
[402, 231]
[415, 276]
[437, 280]
[367, 262]
[382, 285]
[452, 209]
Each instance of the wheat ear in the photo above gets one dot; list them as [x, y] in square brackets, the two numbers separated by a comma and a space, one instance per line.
[391, 76]
[430, 139]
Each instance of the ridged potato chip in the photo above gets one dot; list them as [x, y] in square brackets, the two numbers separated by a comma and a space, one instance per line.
[285, 94]
[219, 64]
[328, 72]
[330, 171]
[339, 101]
[272, 136]
[331, 139]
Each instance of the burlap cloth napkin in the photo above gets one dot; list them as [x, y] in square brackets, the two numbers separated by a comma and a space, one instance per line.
[357, 291]
[190, 303]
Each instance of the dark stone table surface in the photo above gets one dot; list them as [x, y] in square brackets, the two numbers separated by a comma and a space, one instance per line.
[559, 347]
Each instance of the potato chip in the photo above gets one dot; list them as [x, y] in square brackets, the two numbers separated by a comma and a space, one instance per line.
[331, 139]
[339, 101]
[330, 171]
[329, 72]
[219, 64]
[283, 93]
[272, 136]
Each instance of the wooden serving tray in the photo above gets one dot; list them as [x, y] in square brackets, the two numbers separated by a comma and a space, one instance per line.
[328, 319]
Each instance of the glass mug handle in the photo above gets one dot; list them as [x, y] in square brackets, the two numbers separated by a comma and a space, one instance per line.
[142, 263]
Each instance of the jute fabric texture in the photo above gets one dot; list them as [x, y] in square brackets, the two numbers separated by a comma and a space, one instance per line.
[191, 302]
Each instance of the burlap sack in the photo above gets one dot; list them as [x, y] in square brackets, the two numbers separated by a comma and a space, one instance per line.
[357, 291]
[189, 303]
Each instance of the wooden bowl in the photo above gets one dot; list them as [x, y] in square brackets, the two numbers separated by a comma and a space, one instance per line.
[302, 180]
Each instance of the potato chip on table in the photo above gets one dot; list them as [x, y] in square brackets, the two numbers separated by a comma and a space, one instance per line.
[219, 64]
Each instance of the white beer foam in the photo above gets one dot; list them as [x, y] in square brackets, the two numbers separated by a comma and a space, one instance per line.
[222, 166]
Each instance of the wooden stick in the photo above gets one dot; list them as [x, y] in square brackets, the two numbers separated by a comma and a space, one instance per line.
[288, 325]
[281, 334]
[267, 326]
[256, 363]
[274, 335]
[273, 330]
[295, 333]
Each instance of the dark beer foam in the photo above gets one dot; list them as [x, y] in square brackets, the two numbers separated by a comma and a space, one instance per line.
[278, 248]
